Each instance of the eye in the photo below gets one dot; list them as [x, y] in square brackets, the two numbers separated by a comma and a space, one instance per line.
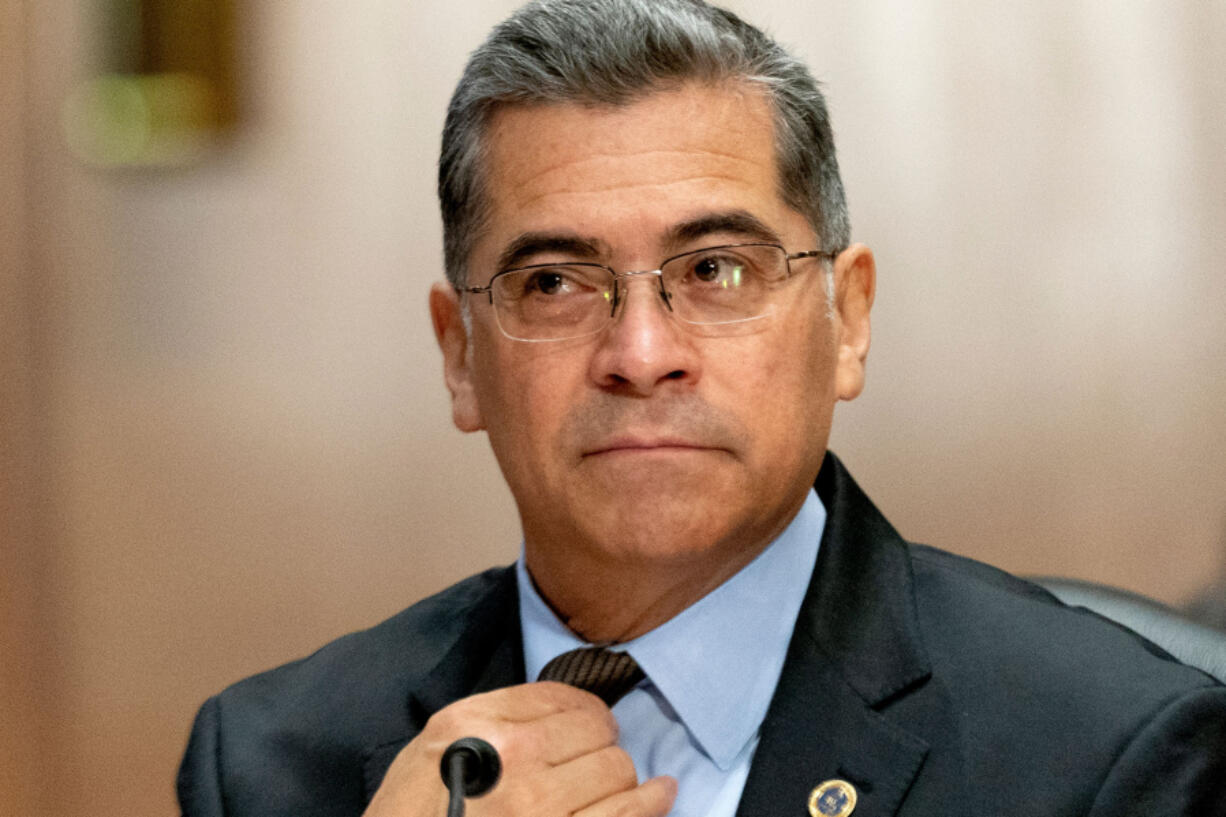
[547, 282]
[721, 270]
[550, 283]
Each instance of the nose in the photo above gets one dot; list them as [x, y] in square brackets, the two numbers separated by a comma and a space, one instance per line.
[645, 348]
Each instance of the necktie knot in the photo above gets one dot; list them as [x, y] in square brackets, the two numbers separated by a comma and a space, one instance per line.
[601, 671]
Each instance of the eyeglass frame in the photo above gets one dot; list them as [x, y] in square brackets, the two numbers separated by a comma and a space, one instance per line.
[665, 295]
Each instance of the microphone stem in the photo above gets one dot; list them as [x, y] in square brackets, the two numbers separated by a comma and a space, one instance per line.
[455, 785]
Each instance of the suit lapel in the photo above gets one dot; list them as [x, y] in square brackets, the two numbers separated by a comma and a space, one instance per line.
[856, 648]
[487, 655]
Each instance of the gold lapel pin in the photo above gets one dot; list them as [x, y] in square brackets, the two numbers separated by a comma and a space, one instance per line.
[834, 798]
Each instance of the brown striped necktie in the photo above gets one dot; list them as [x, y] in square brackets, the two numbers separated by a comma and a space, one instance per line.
[608, 674]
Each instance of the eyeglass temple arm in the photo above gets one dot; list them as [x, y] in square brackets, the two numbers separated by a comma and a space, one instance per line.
[813, 254]
[488, 291]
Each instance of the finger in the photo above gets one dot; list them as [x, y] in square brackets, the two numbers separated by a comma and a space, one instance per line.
[552, 740]
[492, 712]
[564, 736]
[528, 702]
[654, 798]
[593, 777]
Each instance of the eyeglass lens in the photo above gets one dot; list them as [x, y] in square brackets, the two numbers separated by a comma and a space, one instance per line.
[712, 286]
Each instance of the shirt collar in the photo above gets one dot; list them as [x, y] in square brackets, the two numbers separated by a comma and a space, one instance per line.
[697, 658]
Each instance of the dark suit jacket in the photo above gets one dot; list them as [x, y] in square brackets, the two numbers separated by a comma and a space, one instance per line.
[935, 684]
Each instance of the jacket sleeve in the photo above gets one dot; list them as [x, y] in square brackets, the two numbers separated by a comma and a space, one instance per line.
[1175, 764]
[199, 780]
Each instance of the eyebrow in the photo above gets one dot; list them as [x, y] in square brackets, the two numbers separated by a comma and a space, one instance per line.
[526, 245]
[740, 223]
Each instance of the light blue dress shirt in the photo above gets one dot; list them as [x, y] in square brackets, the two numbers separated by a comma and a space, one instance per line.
[711, 670]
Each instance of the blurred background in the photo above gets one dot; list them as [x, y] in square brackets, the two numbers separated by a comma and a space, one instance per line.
[223, 434]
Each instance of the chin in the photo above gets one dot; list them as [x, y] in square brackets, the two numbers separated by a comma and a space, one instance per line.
[671, 536]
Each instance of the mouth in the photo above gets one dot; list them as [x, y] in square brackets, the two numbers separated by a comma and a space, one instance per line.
[647, 445]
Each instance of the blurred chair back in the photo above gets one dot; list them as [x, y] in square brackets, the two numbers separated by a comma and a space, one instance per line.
[1191, 642]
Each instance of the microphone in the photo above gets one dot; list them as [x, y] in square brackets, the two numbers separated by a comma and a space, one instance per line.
[470, 767]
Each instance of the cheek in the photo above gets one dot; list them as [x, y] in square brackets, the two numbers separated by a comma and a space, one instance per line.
[798, 388]
[524, 393]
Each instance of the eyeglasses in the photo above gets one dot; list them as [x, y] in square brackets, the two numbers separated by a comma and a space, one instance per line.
[712, 287]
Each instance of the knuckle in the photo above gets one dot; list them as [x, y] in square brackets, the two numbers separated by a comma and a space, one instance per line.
[440, 723]
[449, 720]
[532, 796]
[618, 765]
[598, 724]
[460, 720]
[610, 724]
[514, 744]
[568, 696]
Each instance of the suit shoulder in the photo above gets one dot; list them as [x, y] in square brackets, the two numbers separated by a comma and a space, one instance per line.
[1062, 693]
[969, 574]
[968, 608]
[297, 739]
[374, 666]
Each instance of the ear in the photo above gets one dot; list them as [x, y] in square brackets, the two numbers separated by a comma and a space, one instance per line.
[855, 285]
[447, 317]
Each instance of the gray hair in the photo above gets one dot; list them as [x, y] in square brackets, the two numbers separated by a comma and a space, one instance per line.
[613, 52]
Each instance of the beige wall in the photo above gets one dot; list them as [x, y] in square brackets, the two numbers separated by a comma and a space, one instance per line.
[25, 627]
[232, 403]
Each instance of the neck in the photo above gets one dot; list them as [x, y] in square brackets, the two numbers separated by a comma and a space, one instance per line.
[610, 583]
[606, 600]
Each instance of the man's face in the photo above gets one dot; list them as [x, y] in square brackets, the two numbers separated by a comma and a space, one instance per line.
[651, 444]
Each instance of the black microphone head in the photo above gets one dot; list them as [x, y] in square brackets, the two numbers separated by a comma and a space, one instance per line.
[475, 761]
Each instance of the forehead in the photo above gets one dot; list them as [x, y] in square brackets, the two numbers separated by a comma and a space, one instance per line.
[633, 170]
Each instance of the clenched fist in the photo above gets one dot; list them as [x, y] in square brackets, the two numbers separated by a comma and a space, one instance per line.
[559, 752]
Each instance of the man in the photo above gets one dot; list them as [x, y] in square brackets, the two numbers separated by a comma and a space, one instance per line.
[653, 307]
